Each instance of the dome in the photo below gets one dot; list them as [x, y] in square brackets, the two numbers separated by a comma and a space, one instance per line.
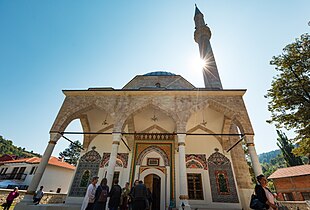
[159, 73]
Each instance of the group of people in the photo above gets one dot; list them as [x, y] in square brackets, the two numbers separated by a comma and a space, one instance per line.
[138, 197]
[15, 193]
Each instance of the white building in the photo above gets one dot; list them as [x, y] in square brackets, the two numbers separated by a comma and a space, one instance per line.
[20, 172]
[182, 141]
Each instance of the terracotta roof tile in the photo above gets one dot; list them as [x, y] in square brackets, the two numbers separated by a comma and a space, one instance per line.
[291, 171]
[52, 161]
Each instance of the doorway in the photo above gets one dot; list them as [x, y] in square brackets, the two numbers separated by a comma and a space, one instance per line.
[153, 182]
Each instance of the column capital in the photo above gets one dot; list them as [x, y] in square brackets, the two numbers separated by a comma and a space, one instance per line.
[181, 137]
[116, 138]
[54, 137]
[249, 139]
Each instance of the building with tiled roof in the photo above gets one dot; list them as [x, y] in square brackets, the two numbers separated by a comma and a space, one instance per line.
[20, 172]
[293, 183]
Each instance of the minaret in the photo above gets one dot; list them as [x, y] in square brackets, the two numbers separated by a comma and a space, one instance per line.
[202, 36]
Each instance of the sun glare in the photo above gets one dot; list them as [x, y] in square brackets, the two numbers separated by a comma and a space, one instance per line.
[197, 64]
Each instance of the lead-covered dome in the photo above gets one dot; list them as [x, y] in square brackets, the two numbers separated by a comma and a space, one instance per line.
[158, 80]
[159, 73]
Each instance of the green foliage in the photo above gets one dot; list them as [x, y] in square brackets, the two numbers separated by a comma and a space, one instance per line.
[286, 146]
[303, 148]
[72, 153]
[7, 147]
[289, 94]
[270, 167]
[273, 165]
[267, 156]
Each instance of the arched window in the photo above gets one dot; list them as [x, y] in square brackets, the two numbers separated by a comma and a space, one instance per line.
[85, 178]
[222, 183]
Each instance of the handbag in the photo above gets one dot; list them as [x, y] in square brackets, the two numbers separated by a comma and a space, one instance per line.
[255, 203]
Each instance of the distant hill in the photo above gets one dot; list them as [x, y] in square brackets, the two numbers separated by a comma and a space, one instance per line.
[267, 156]
[7, 147]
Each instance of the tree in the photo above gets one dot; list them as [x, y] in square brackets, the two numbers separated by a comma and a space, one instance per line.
[72, 153]
[289, 94]
[8, 148]
[286, 146]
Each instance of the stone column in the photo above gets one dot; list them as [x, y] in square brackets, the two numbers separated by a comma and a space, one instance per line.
[254, 158]
[182, 173]
[54, 137]
[116, 138]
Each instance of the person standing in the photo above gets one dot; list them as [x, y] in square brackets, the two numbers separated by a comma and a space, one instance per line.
[125, 196]
[131, 199]
[9, 200]
[101, 195]
[140, 197]
[149, 197]
[89, 199]
[115, 196]
[264, 195]
[38, 196]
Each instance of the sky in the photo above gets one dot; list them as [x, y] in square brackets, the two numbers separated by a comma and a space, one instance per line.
[49, 46]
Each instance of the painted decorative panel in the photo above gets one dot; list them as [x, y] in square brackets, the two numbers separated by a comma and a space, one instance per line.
[87, 168]
[196, 161]
[223, 187]
[121, 161]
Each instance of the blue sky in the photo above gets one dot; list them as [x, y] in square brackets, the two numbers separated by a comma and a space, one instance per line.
[48, 46]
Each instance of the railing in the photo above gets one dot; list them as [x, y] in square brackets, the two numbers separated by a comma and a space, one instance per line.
[294, 205]
[10, 176]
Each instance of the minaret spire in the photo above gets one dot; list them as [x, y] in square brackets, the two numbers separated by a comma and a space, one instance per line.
[202, 36]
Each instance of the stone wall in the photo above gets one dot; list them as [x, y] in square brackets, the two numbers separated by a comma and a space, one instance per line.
[47, 198]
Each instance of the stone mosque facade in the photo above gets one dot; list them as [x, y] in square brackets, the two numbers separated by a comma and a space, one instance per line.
[182, 141]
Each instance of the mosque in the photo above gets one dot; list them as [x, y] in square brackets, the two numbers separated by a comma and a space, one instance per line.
[185, 143]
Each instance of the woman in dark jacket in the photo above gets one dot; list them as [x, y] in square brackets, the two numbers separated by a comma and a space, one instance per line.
[140, 197]
[101, 195]
[115, 196]
[263, 194]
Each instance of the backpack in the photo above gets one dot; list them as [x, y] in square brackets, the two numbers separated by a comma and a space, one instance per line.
[103, 195]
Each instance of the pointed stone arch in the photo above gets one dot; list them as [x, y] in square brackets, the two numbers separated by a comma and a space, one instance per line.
[121, 120]
[73, 109]
[214, 105]
[153, 148]
[147, 130]
[241, 121]
[197, 127]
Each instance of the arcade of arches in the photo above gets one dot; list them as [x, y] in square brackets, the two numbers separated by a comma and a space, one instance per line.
[161, 129]
[158, 136]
